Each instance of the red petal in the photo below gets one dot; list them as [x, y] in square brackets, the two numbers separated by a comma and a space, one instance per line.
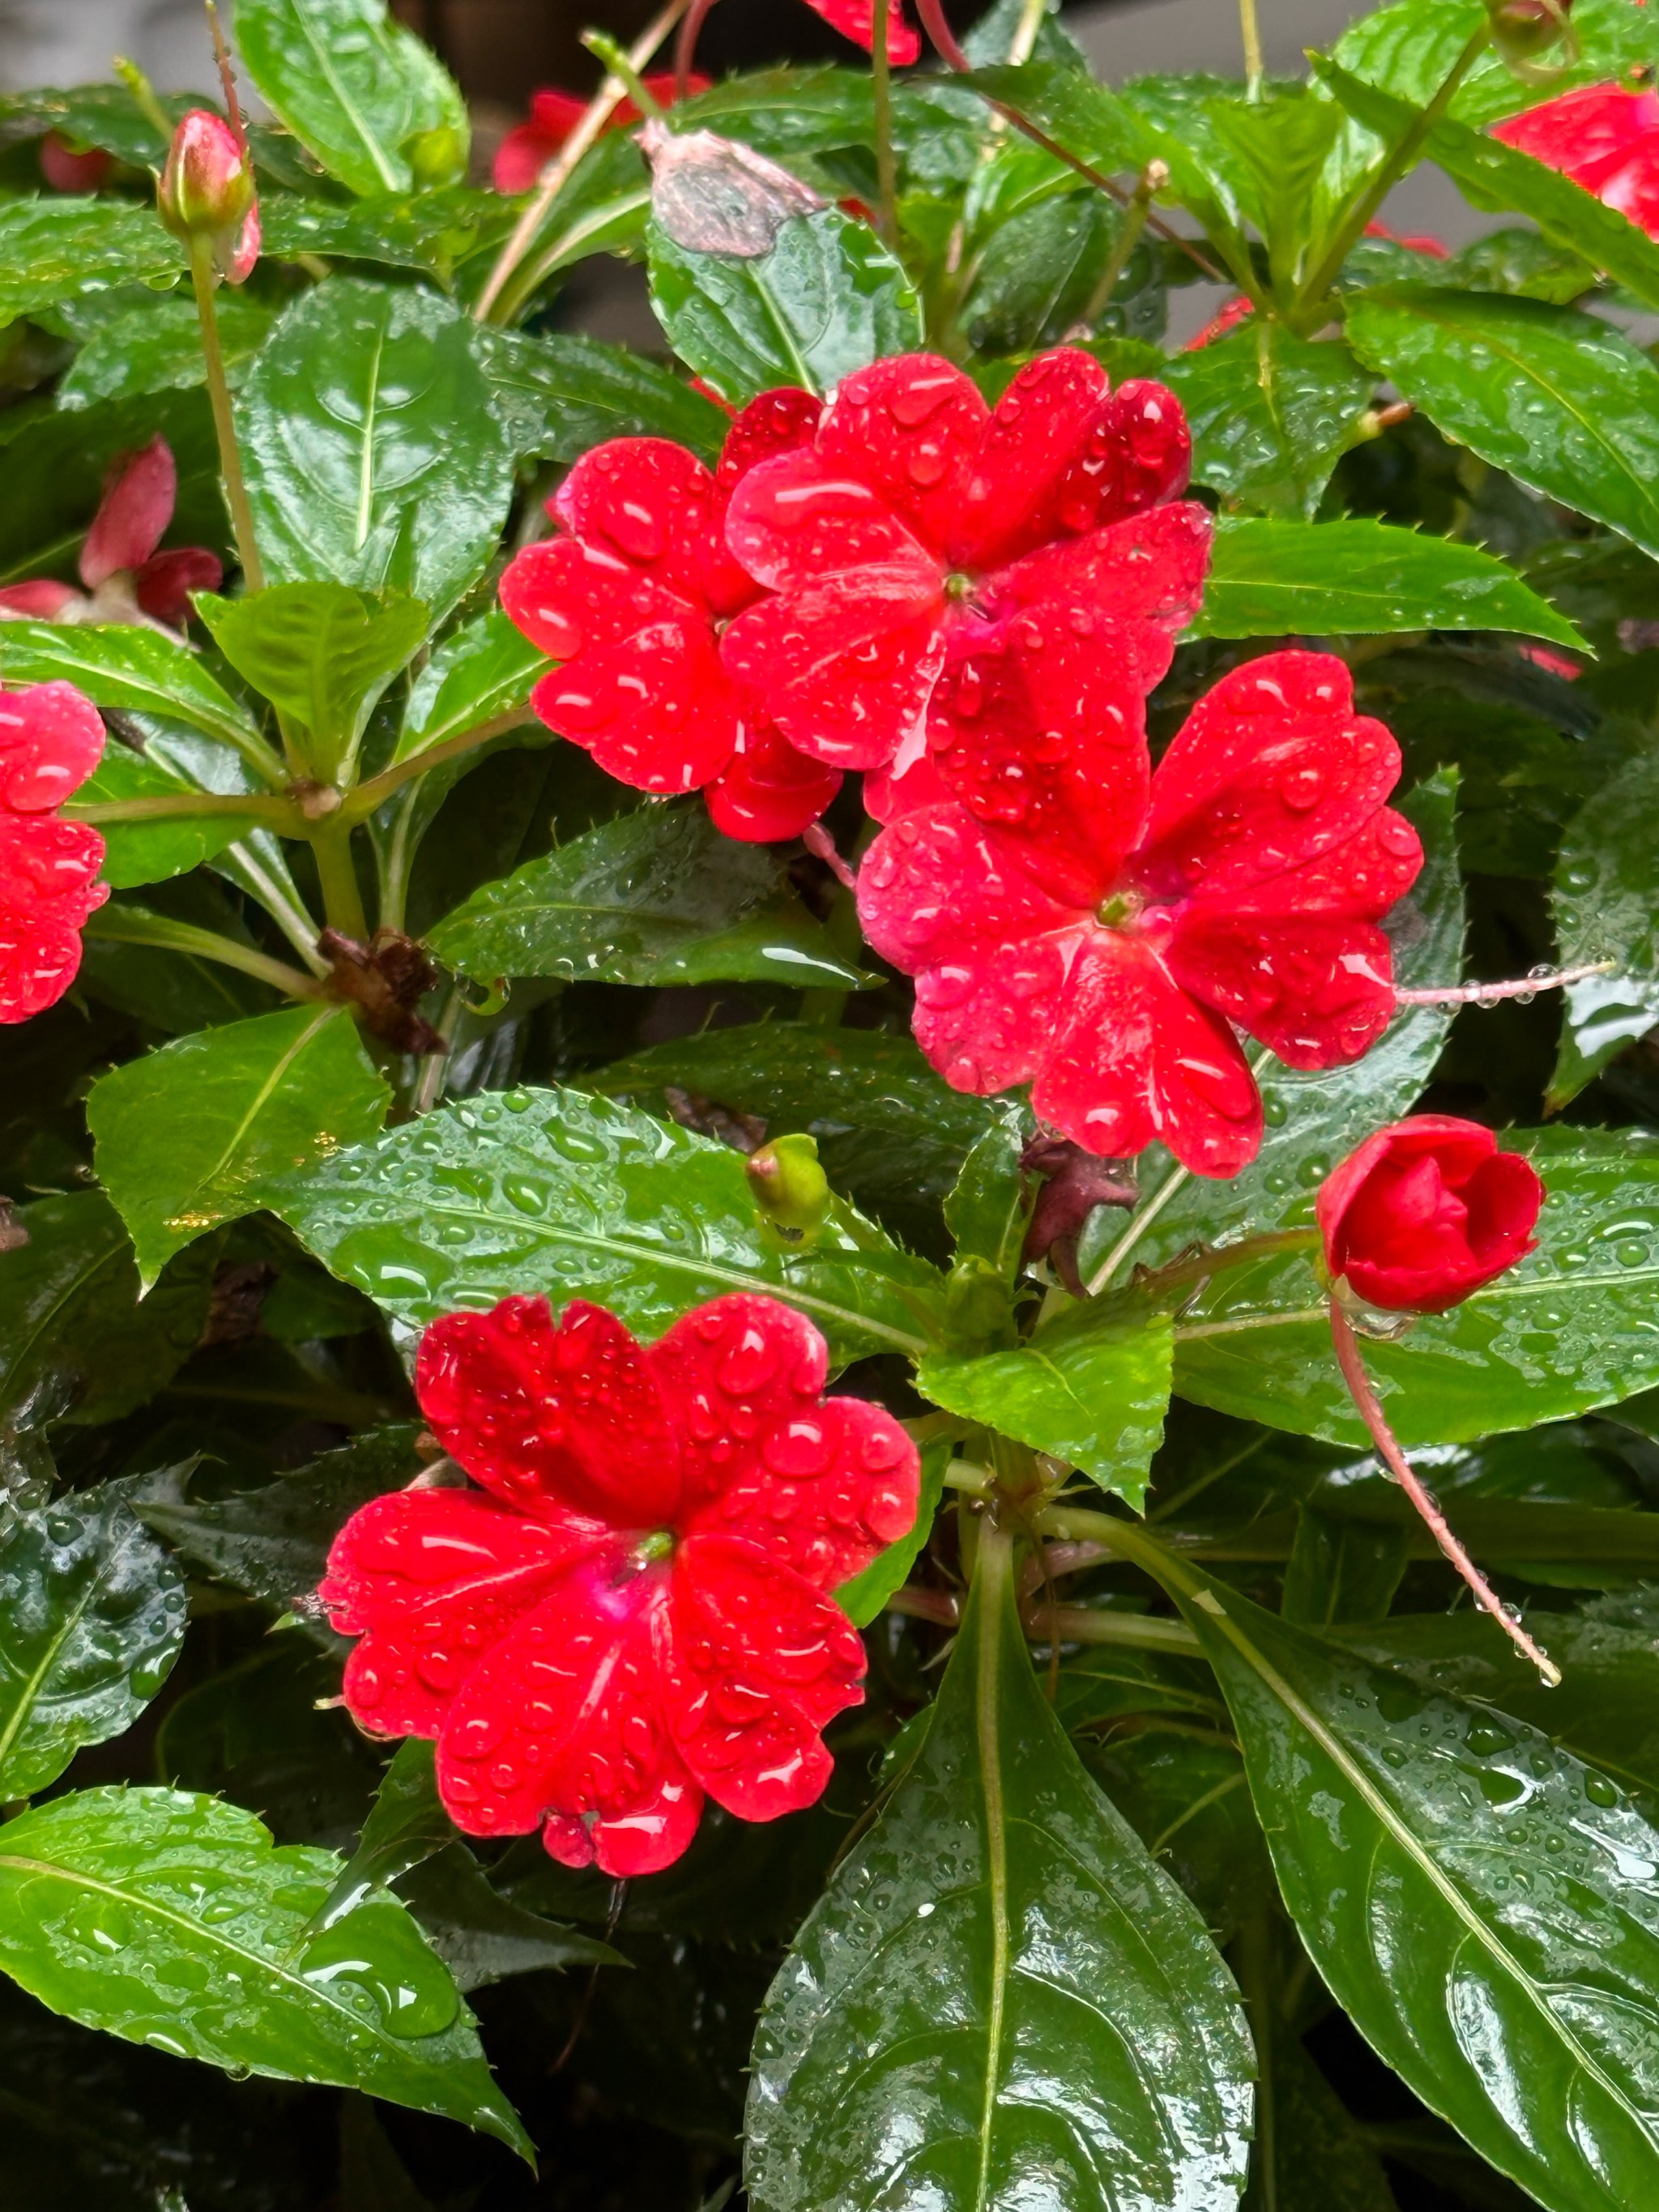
[51, 737]
[1319, 989]
[430, 1580]
[47, 870]
[1271, 768]
[767, 791]
[757, 1661]
[164, 584]
[845, 668]
[937, 884]
[904, 785]
[555, 1418]
[801, 518]
[1038, 432]
[1141, 1059]
[650, 504]
[139, 497]
[1148, 569]
[822, 1485]
[1360, 878]
[856, 20]
[1584, 134]
[910, 427]
[655, 709]
[40, 959]
[568, 599]
[527, 148]
[43, 600]
[781, 421]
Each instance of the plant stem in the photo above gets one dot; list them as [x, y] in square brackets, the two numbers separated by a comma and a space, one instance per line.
[1369, 1407]
[109, 925]
[369, 796]
[685, 47]
[606, 49]
[881, 89]
[205, 281]
[1154, 178]
[342, 903]
[559, 170]
[1519, 986]
[1250, 31]
[1067, 1623]
[1215, 1260]
[1394, 166]
[280, 813]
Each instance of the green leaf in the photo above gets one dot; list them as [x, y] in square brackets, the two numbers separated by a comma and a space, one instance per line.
[1357, 578]
[561, 394]
[56, 465]
[480, 1935]
[827, 298]
[192, 1135]
[548, 1190]
[1271, 414]
[91, 1617]
[66, 249]
[104, 115]
[1444, 1863]
[172, 1920]
[863, 1597]
[1493, 176]
[1341, 1570]
[1408, 48]
[478, 674]
[322, 655]
[74, 1338]
[430, 232]
[1091, 1388]
[1309, 2154]
[1179, 1782]
[989, 1210]
[1560, 399]
[371, 449]
[407, 1823]
[999, 1993]
[1603, 906]
[150, 852]
[655, 897]
[353, 87]
[158, 348]
[131, 671]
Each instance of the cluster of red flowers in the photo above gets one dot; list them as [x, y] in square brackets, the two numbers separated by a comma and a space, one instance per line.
[50, 740]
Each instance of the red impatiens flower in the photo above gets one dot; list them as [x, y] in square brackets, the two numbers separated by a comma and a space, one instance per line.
[632, 596]
[50, 740]
[127, 580]
[856, 19]
[1425, 1212]
[632, 1613]
[919, 525]
[1073, 921]
[1604, 138]
[529, 146]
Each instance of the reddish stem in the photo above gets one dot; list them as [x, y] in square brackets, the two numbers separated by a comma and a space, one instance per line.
[822, 846]
[685, 47]
[932, 13]
[1518, 987]
[1349, 1359]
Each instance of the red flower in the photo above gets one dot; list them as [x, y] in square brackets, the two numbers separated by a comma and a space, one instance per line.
[67, 170]
[50, 740]
[126, 578]
[1425, 1212]
[1604, 138]
[635, 1614]
[1072, 919]
[529, 147]
[856, 19]
[919, 525]
[632, 596]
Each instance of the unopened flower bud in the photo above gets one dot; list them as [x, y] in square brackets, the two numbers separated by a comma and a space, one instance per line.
[791, 1189]
[70, 168]
[206, 193]
[1522, 28]
[437, 157]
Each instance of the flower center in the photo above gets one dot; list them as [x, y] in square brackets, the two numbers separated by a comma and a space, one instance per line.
[1121, 911]
[659, 1544]
[957, 585]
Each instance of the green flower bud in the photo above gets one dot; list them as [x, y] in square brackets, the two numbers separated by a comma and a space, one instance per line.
[792, 1191]
[437, 157]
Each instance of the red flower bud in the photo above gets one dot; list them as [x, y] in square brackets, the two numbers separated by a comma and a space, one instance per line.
[207, 192]
[69, 170]
[1425, 1212]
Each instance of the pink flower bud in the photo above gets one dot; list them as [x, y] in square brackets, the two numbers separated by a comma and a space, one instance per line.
[67, 170]
[207, 192]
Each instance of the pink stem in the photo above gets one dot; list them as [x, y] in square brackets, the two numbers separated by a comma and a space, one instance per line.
[685, 47]
[1487, 994]
[1348, 1358]
[822, 846]
[932, 13]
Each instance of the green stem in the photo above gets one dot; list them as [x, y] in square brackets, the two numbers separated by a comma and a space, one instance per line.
[881, 87]
[619, 66]
[203, 277]
[143, 93]
[111, 925]
[1153, 177]
[342, 901]
[280, 813]
[1250, 31]
[1383, 179]
[369, 797]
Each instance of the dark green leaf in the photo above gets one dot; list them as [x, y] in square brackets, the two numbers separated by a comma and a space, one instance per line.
[864, 1596]
[1604, 910]
[119, 665]
[827, 298]
[158, 348]
[1181, 1787]
[64, 249]
[355, 87]
[1560, 399]
[103, 115]
[56, 464]
[91, 1617]
[150, 852]
[990, 1208]
[407, 1823]
[1480, 1904]
[478, 674]
[1341, 1570]
[1352, 578]
[560, 394]
[655, 897]
[548, 1190]
[171, 1920]
[190, 1136]
[73, 1335]
[373, 452]
[1270, 414]
[480, 1936]
[1308, 2154]
[999, 1993]
[1408, 48]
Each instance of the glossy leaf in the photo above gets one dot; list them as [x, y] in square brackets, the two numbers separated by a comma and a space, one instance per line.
[480, 673]
[158, 348]
[91, 1617]
[102, 115]
[1409, 46]
[407, 1823]
[1270, 414]
[58, 249]
[189, 1136]
[171, 1920]
[120, 666]
[864, 1596]
[74, 1338]
[353, 86]
[999, 1993]
[550, 1191]
[1358, 577]
[1090, 1390]
[1481, 1905]
[989, 1210]
[372, 452]
[431, 231]
[1560, 399]
[480, 1935]
[1603, 908]
[657, 896]
[825, 300]
[1180, 1786]
[1341, 1571]
[150, 852]
[561, 394]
